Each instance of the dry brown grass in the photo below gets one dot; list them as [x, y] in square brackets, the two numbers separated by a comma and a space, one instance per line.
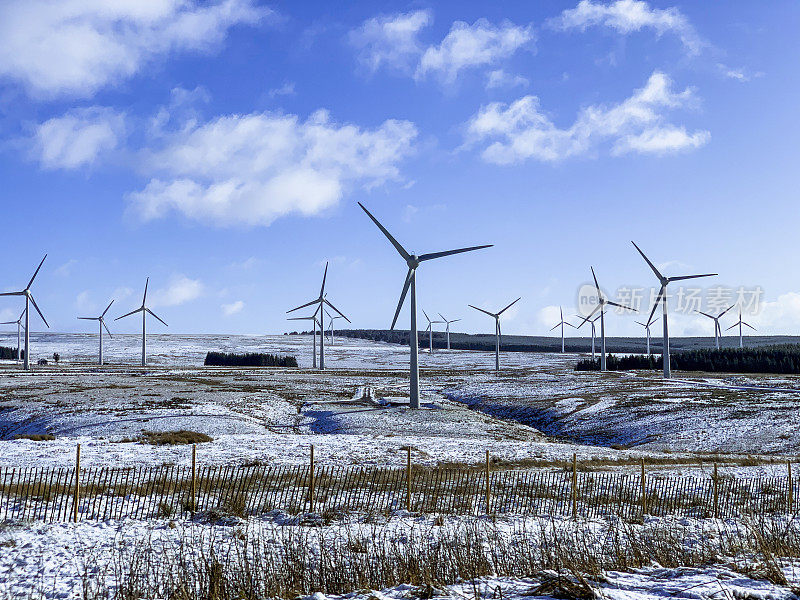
[36, 437]
[175, 438]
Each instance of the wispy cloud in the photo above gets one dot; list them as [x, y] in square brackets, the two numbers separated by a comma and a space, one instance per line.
[287, 89]
[628, 16]
[233, 308]
[65, 270]
[499, 79]
[180, 290]
[521, 130]
[391, 41]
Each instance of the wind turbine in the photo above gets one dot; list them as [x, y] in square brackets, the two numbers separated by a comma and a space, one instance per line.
[331, 319]
[316, 322]
[448, 328]
[602, 301]
[647, 329]
[18, 323]
[562, 323]
[413, 261]
[717, 328]
[322, 301]
[144, 310]
[740, 323]
[496, 330]
[662, 297]
[102, 323]
[591, 322]
[26, 364]
[429, 331]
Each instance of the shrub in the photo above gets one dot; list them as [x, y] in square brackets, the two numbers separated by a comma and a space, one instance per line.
[7, 353]
[250, 359]
[173, 438]
[35, 437]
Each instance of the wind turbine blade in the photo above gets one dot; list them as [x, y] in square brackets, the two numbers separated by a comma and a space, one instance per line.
[12, 294]
[682, 277]
[589, 316]
[426, 315]
[570, 325]
[510, 305]
[30, 283]
[726, 310]
[554, 326]
[324, 277]
[453, 321]
[325, 300]
[597, 285]
[433, 255]
[561, 312]
[647, 260]
[133, 312]
[394, 242]
[156, 316]
[499, 331]
[706, 314]
[36, 307]
[621, 306]
[748, 325]
[144, 298]
[80, 318]
[301, 318]
[107, 307]
[12, 322]
[652, 321]
[660, 297]
[483, 311]
[402, 297]
[640, 323]
[315, 301]
[445, 320]
[582, 322]
[106, 327]
[732, 326]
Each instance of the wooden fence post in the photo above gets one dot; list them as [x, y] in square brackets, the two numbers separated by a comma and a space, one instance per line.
[408, 478]
[574, 486]
[311, 482]
[644, 492]
[716, 492]
[791, 487]
[77, 494]
[488, 486]
[193, 501]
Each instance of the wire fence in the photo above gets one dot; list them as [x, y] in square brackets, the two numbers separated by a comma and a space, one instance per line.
[63, 494]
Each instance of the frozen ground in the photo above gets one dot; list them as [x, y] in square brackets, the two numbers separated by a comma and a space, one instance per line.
[538, 408]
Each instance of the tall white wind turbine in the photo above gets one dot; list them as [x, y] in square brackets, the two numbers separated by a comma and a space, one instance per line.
[662, 297]
[331, 320]
[26, 364]
[497, 332]
[101, 323]
[717, 328]
[413, 261]
[145, 311]
[740, 323]
[18, 323]
[314, 336]
[562, 322]
[321, 302]
[647, 331]
[594, 334]
[602, 301]
[429, 331]
[444, 320]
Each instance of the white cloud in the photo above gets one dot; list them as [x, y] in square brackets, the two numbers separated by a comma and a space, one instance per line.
[499, 79]
[287, 89]
[390, 41]
[84, 302]
[121, 293]
[65, 270]
[77, 47]
[468, 46]
[251, 169]
[180, 290]
[627, 16]
[77, 138]
[521, 131]
[231, 309]
[246, 264]
[549, 316]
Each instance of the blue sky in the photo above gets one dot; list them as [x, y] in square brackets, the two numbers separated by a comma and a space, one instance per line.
[221, 149]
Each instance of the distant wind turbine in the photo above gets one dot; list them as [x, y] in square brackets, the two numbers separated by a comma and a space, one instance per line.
[647, 330]
[321, 302]
[331, 319]
[602, 301]
[314, 336]
[102, 323]
[662, 297]
[448, 327]
[28, 301]
[591, 322]
[413, 261]
[562, 322]
[717, 328]
[145, 311]
[740, 323]
[497, 332]
[429, 331]
[18, 323]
